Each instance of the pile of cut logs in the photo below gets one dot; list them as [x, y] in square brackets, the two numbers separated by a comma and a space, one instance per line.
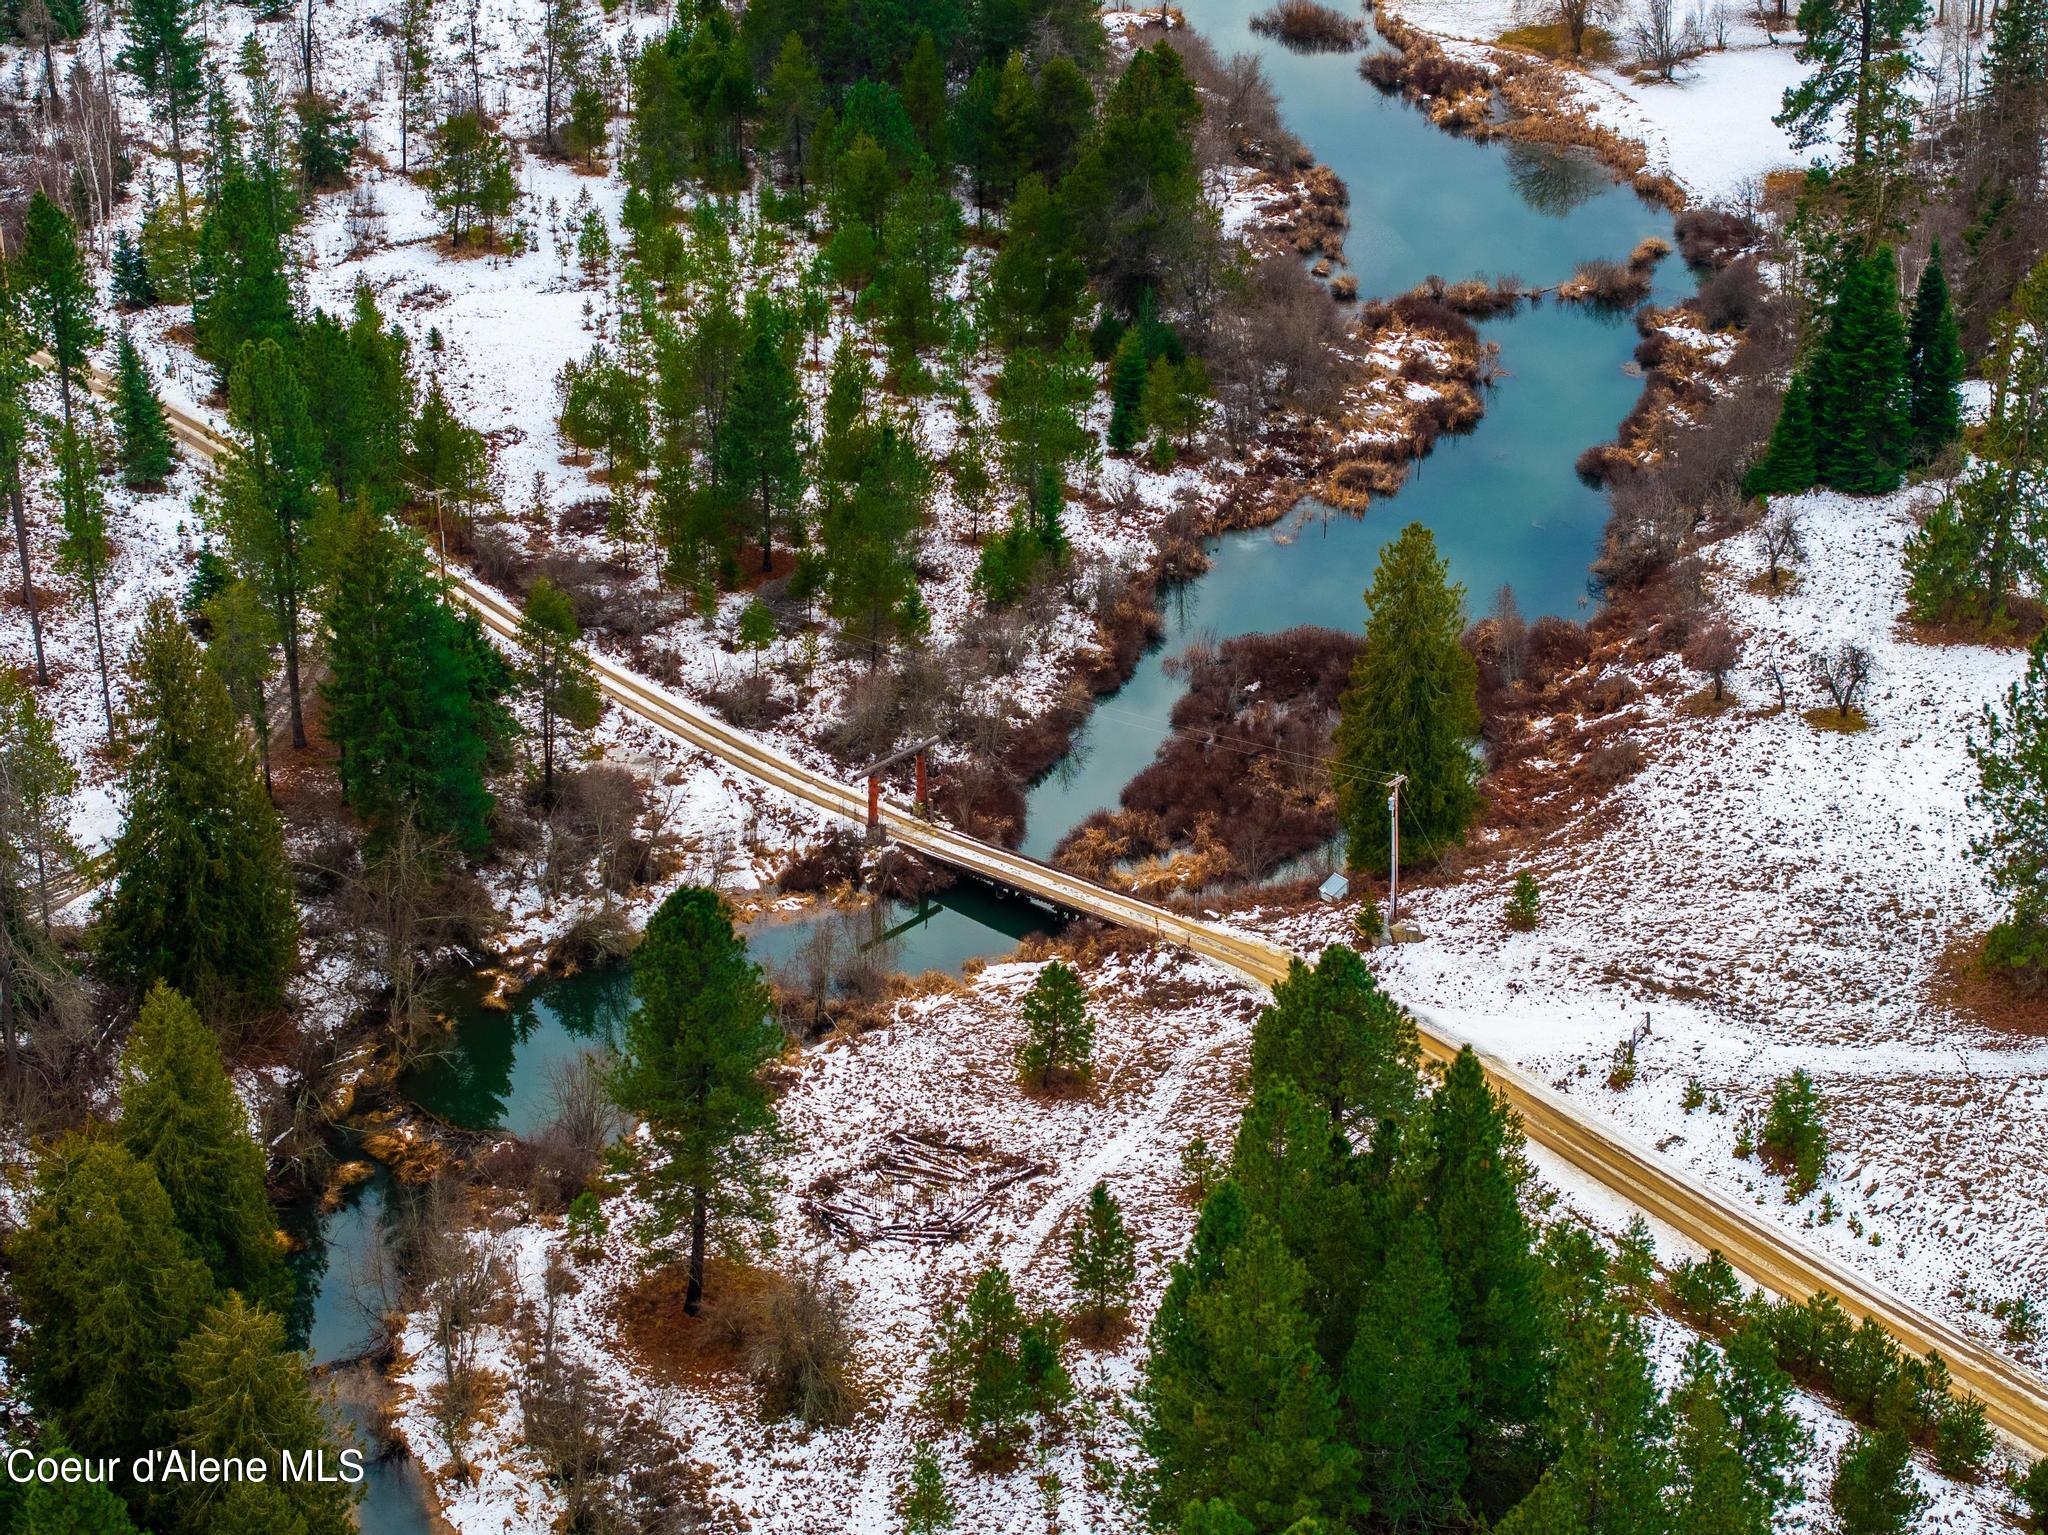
[966, 1193]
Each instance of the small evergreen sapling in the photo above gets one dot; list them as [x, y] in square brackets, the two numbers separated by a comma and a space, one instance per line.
[925, 1506]
[995, 1368]
[146, 451]
[1101, 1260]
[1786, 467]
[1059, 1035]
[1524, 904]
[1794, 1133]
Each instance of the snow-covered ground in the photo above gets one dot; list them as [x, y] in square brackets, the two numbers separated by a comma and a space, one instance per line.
[1768, 895]
[1171, 1048]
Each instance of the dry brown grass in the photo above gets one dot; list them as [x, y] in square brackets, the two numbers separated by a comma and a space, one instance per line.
[1599, 46]
[711, 1347]
[1830, 718]
[1971, 989]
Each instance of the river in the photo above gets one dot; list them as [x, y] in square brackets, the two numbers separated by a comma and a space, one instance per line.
[1503, 502]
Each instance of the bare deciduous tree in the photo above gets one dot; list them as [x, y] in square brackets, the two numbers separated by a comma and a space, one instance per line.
[1843, 674]
[1714, 650]
[1784, 541]
[1574, 18]
[1510, 635]
[1661, 40]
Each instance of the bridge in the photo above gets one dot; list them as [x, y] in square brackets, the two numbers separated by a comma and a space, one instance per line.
[2015, 1399]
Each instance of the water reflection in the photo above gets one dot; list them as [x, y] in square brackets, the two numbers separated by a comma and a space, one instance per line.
[1555, 181]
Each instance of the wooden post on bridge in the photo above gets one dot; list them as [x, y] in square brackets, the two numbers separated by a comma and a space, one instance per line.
[873, 773]
[921, 795]
[1394, 842]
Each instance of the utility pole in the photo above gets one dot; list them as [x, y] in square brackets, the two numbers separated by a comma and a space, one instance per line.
[1394, 844]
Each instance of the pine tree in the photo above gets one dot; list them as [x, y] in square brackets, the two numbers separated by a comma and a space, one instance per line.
[1213, 1516]
[565, 43]
[36, 784]
[241, 648]
[1787, 466]
[201, 894]
[412, 49]
[133, 287]
[1295, 1172]
[2012, 776]
[146, 451]
[472, 181]
[925, 1507]
[59, 292]
[247, 1394]
[1101, 1260]
[556, 672]
[1860, 55]
[1236, 1405]
[1135, 188]
[165, 51]
[1473, 1192]
[1874, 1491]
[690, 1067]
[1342, 1041]
[1612, 1465]
[412, 700]
[1716, 1489]
[359, 398]
[1036, 284]
[84, 550]
[268, 499]
[242, 293]
[17, 347]
[1757, 1396]
[1412, 709]
[920, 248]
[1934, 364]
[1406, 1388]
[1128, 372]
[994, 1367]
[1990, 534]
[1059, 1035]
[180, 1118]
[876, 491]
[1861, 426]
[924, 98]
[760, 455]
[108, 1287]
[443, 454]
[67, 1508]
[795, 96]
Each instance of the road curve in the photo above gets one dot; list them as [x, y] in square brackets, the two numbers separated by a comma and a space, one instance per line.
[2015, 1399]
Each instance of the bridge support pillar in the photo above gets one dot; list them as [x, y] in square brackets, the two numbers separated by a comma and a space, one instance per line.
[921, 796]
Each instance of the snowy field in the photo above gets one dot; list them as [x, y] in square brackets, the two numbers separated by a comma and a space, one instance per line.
[1766, 895]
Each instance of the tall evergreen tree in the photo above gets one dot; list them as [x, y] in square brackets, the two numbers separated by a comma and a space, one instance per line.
[108, 1287]
[67, 1508]
[59, 293]
[795, 97]
[242, 294]
[759, 451]
[1412, 709]
[132, 286]
[1297, 1174]
[85, 549]
[36, 784]
[165, 52]
[241, 648]
[1612, 1465]
[690, 1067]
[1934, 364]
[201, 894]
[1343, 1042]
[877, 488]
[1860, 55]
[247, 1394]
[17, 347]
[411, 698]
[2012, 776]
[1135, 188]
[1473, 1192]
[1861, 424]
[180, 1118]
[146, 451]
[1787, 466]
[1036, 284]
[1990, 534]
[359, 397]
[1236, 1405]
[1407, 1389]
[268, 497]
[556, 672]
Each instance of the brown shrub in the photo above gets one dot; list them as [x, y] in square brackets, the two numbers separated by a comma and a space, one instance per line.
[1310, 27]
[1733, 296]
[1555, 646]
[1714, 237]
[1613, 761]
[834, 859]
[802, 1354]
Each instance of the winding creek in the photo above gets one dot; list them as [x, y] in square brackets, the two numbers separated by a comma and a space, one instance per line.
[1503, 503]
